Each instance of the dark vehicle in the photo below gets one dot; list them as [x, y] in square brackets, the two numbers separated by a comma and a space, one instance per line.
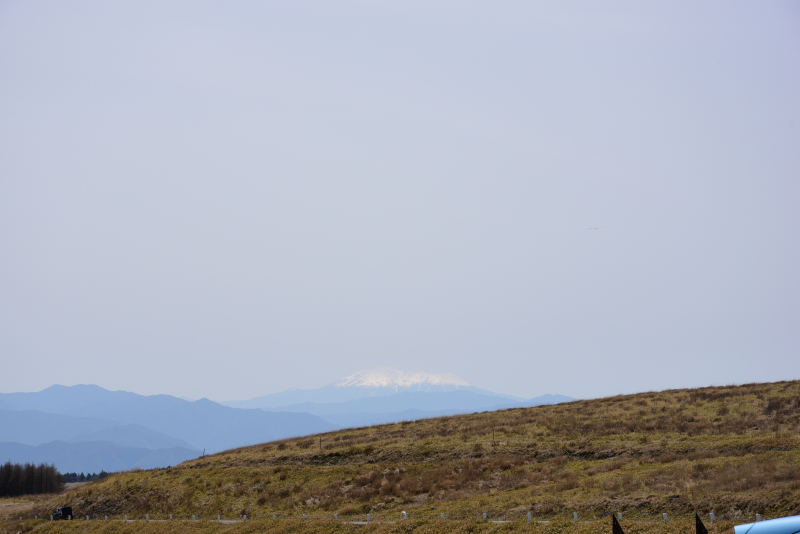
[65, 512]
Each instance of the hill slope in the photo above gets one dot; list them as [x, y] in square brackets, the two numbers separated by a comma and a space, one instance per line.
[734, 450]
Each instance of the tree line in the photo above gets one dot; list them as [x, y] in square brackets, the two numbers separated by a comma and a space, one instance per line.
[29, 479]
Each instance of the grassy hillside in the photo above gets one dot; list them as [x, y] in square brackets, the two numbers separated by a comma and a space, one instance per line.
[598, 526]
[734, 450]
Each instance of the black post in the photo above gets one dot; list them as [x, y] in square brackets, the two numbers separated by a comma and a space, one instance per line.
[700, 528]
[615, 526]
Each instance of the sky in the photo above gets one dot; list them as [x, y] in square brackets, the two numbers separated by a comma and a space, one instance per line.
[229, 199]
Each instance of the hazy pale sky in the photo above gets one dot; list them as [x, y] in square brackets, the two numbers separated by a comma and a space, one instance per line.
[227, 199]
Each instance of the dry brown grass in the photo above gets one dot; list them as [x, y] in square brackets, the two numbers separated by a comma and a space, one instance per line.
[16, 506]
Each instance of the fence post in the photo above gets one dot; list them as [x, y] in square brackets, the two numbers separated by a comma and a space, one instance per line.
[619, 516]
[665, 516]
[244, 517]
[369, 518]
[274, 517]
[147, 518]
[304, 517]
[126, 518]
[529, 517]
[170, 517]
[105, 518]
[217, 518]
[758, 518]
[484, 516]
[193, 518]
[712, 517]
[335, 517]
[574, 517]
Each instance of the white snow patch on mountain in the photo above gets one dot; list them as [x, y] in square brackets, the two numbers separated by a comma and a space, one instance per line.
[387, 377]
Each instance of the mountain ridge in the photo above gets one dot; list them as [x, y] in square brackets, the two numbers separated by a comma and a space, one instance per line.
[65, 417]
[88, 413]
[379, 382]
[95, 456]
[388, 377]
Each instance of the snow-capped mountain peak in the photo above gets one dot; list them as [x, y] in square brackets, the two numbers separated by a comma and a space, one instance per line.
[387, 377]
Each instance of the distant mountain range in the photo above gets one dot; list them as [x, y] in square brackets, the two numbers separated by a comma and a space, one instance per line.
[87, 428]
[32, 427]
[94, 456]
[380, 382]
[388, 395]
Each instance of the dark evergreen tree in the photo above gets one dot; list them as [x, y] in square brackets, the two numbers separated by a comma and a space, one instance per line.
[29, 479]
